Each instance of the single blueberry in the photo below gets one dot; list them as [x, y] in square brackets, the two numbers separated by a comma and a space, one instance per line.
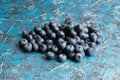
[27, 47]
[23, 42]
[78, 48]
[62, 57]
[89, 51]
[77, 57]
[54, 48]
[24, 33]
[35, 47]
[69, 48]
[93, 37]
[50, 55]
[42, 48]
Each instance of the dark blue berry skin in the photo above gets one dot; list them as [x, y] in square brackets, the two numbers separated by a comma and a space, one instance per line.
[93, 37]
[42, 33]
[70, 55]
[71, 40]
[62, 57]
[60, 34]
[78, 28]
[42, 48]
[62, 27]
[72, 33]
[89, 51]
[85, 46]
[98, 41]
[39, 41]
[50, 55]
[27, 47]
[77, 57]
[37, 29]
[54, 26]
[93, 45]
[29, 37]
[62, 44]
[69, 48]
[52, 36]
[54, 48]
[35, 47]
[32, 41]
[49, 41]
[77, 39]
[32, 33]
[83, 35]
[82, 42]
[60, 40]
[25, 33]
[78, 48]
[87, 41]
[23, 42]
[46, 27]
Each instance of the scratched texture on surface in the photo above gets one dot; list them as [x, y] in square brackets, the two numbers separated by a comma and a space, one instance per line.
[19, 15]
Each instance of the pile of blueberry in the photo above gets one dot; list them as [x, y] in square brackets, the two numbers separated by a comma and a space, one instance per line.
[62, 41]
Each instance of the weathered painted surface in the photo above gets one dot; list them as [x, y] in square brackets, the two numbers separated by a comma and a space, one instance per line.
[18, 15]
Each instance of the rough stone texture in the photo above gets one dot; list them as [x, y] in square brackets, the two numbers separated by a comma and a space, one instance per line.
[18, 15]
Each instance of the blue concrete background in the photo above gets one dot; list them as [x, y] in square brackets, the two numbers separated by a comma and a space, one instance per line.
[19, 15]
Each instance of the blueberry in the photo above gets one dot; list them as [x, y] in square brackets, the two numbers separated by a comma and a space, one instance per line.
[72, 33]
[50, 55]
[82, 42]
[39, 41]
[89, 51]
[78, 48]
[54, 26]
[93, 37]
[32, 33]
[32, 41]
[35, 47]
[54, 48]
[60, 40]
[70, 55]
[62, 27]
[71, 40]
[42, 33]
[62, 57]
[85, 46]
[23, 42]
[49, 41]
[25, 33]
[87, 41]
[77, 57]
[42, 47]
[46, 27]
[92, 44]
[83, 35]
[98, 41]
[62, 44]
[52, 35]
[49, 32]
[27, 47]
[77, 39]
[78, 28]
[60, 34]
[37, 29]
[29, 37]
[69, 48]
